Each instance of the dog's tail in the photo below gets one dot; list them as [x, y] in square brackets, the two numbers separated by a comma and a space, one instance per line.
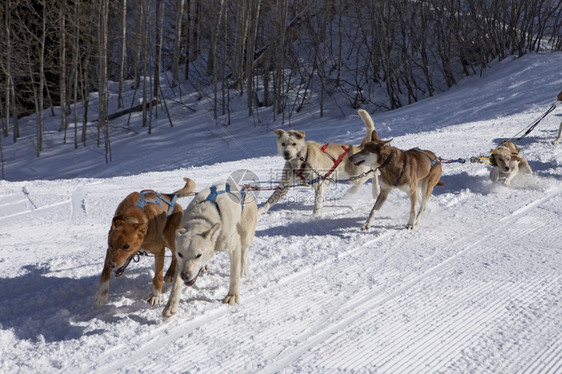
[369, 125]
[187, 190]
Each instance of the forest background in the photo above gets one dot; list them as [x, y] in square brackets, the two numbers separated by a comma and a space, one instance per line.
[279, 55]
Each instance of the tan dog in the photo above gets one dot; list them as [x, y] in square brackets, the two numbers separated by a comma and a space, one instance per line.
[147, 220]
[415, 172]
[506, 162]
[308, 162]
[221, 218]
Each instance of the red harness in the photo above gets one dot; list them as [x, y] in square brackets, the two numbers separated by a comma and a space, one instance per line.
[336, 162]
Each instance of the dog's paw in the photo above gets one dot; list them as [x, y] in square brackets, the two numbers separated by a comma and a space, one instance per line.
[170, 310]
[365, 227]
[154, 299]
[101, 296]
[409, 226]
[262, 209]
[170, 276]
[231, 299]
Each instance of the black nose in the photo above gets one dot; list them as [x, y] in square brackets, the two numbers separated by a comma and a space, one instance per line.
[184, 276]
[286, 154]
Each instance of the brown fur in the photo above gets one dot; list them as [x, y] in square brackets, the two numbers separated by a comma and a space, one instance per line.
[409, 171]
[149, 229]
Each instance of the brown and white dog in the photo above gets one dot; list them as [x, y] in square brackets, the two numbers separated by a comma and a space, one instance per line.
[309, 162]
[145, 220]
[506, 162]
[415, 172]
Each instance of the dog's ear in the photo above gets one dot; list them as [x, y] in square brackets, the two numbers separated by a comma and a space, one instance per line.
[116, 222]
[297, 134]
[279, 132]
[516, 157]
[375, 136]
[213, 232]
[386, 143]
[181, 231]
[141, 228]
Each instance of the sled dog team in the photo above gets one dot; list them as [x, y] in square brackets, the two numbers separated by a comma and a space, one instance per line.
[223, 216]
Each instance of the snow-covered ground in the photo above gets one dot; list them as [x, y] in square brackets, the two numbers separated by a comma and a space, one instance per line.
[475, 288]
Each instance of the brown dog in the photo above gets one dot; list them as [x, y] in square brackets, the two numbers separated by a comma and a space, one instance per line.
[415, 172]
[147, 220]
[506, 160]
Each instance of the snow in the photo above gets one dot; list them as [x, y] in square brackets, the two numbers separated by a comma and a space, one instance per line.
[475, 288]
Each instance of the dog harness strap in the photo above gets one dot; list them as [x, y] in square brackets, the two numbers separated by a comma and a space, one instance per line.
[334, 160]
[402, 172]
[300, 172]
[212, 196]
[388, 159]
[159, 200]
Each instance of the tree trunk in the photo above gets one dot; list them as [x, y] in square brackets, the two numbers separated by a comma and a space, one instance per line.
[123, 52]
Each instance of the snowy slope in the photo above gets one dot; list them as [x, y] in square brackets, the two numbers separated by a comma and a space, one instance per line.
[475, 288]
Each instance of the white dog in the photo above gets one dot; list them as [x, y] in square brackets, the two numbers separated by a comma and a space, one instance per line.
[221, 218]
[506, 162]
[308, 162]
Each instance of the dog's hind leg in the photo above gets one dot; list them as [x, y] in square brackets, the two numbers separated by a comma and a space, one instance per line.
[378, 204]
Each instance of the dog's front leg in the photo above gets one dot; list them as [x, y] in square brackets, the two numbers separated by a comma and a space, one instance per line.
[274, 199]
[378, 204]
[174, 300]
[233, 296]
[512, 173]
[103, 288]
[155, 297]
[318, 198]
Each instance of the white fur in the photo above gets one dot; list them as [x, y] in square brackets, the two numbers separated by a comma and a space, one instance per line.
[293, 147]
[208, 228]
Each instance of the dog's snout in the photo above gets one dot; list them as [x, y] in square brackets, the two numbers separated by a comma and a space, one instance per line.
[286, 154]
[111, 265]
[184, 275]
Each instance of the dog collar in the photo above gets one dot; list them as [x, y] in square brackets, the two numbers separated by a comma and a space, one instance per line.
[388, 159]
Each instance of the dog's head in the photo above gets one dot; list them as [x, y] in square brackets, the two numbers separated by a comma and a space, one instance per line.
[373, 153]
[504, 159]
[123, 242]
[290, 144]
[194, 250]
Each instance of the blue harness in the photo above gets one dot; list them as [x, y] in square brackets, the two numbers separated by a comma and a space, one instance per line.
[160, 200]
[212, 196]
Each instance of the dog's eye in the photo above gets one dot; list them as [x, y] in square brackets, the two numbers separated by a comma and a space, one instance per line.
[126, 246]
[283, 144]
[294, 144]
[180, 255]
[199, 255]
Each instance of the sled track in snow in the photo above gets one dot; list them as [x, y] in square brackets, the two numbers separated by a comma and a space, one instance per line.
[399, 324]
